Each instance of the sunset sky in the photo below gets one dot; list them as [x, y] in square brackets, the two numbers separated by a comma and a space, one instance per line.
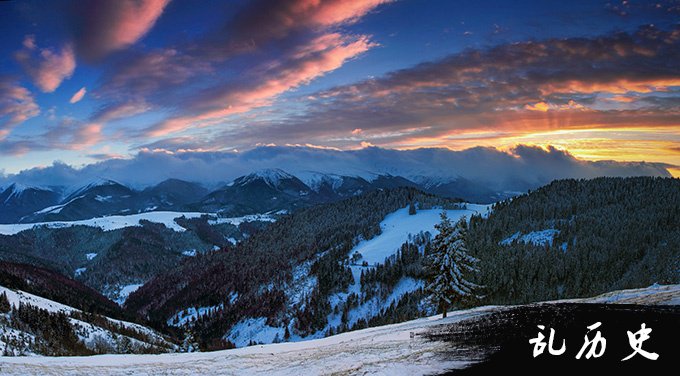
[85, 81]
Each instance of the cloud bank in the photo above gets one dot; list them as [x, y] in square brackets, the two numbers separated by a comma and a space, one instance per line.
[515, 170]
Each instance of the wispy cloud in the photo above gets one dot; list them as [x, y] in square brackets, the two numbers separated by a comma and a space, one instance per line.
[65, 134]
[186, 79]
[16, 106]
[319, 56]
[517, 88]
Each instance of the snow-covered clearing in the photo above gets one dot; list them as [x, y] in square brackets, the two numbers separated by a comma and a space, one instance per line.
[115, 222]
[396, 229]
[397, 226]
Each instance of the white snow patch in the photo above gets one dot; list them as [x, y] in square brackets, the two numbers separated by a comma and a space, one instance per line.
[103, 198]
[56, 209]
[254, 330]
[79, 271]
[189, 253]
[538, 238]
[90, 256]
[238, 220]
[125, 292]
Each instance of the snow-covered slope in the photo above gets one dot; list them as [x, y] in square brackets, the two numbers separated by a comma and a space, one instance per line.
[399, 349]
[88, 333]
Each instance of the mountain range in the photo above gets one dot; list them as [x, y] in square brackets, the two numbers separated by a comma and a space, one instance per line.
[267, 190]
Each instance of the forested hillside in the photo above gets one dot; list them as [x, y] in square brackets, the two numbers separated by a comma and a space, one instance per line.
[251, 279]
[109, 260]
[54, 286]
[318, 271]
[575, 238]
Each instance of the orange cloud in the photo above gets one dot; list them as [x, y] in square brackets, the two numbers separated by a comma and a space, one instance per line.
[622, 86]
[545, 107]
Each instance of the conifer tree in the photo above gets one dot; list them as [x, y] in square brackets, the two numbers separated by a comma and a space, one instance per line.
[450, 265]
[4, 303]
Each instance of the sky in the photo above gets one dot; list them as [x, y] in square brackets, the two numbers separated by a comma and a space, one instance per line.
[85, 82]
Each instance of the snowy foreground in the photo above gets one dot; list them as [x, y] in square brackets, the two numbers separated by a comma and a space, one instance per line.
[393, 349]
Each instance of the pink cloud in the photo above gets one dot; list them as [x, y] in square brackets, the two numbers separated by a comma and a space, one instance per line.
[70, 134]
[320, 56]
[78, 95]
[16, 106]
[114, 25]
[88, 135]
[47, 67]
[152, 72]
[327, 13]
[119, 111]
[265, 21]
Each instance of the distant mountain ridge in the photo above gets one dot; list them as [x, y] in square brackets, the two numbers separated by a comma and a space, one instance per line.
[262, 191]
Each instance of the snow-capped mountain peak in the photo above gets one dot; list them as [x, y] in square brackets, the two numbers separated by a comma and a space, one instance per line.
[315, 180]
[17, 189]
[271, 176]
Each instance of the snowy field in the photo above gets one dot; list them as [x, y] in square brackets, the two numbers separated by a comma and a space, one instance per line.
[398, 349]
[115, 222]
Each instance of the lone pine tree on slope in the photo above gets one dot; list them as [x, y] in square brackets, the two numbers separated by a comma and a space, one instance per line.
[450, 264]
